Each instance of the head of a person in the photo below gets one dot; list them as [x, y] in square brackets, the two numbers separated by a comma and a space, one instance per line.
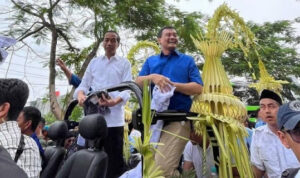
[69, 139]
[13, 96]
[29, 119]
[111, 42]
[258, 114]
[288, 122]
[269, 103]
[197, 139]
[45, 132]
[40, 127]
[168, 39]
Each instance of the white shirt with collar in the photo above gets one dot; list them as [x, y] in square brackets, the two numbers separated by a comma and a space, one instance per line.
[268, 154]
[29, 160]
[193, 153]
[103, 73]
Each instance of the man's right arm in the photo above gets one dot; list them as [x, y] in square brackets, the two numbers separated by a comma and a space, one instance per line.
[81, 97]
[161, 81]
[187, 157]
[257, 172]
[188, 165]
[85, 85]
[255, 158]
[140, 79]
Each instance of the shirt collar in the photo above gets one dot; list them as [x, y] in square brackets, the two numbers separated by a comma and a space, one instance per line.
[33, 135]
[268, 130]
[173, 53]
[115, 57]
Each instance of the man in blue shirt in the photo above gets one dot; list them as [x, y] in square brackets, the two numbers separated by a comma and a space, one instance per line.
[171, 67]
[28, 121]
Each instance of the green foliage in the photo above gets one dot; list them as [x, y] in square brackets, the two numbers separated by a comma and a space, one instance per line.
[187, 24]
[148, 16]
[77, 114]
[76, 59]
[187, 174]
[277, 44]
[50, 118]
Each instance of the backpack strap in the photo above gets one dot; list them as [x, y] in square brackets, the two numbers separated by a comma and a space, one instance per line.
[20, 148]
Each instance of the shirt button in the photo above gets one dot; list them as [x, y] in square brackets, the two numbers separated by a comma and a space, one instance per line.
[285, 173]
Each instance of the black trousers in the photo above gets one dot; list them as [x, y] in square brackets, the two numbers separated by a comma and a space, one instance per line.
[114, 148]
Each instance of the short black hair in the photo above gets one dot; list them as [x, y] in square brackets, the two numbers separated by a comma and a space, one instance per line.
[161, 30]
[32, 114]
[15, 92]
[112, 31]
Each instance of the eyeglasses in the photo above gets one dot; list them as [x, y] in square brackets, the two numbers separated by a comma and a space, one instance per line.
[295, 134]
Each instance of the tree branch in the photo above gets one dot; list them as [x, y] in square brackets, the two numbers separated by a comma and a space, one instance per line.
[65, 37]
[24, 9]
[53, 5]
[90, 56]
[33, 32]
[27, 30]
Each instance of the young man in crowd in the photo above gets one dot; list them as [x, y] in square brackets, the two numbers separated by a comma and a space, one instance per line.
[268, 155]
[288, 121]
[163, 70]
[193, 157]
[22, 149]
[102, 72]
[28, 121]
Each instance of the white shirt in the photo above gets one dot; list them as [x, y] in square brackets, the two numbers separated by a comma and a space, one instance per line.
[193, 153]
[268, 154]
[297, 175]
[102, 73]
[29, 161]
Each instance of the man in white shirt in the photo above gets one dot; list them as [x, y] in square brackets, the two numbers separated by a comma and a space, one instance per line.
[193, 157]
[13, 96]
[268, 155]
[288, 121]
[103, 72]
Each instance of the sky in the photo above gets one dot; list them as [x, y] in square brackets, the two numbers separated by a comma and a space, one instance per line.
[255, 10]
[36, 74]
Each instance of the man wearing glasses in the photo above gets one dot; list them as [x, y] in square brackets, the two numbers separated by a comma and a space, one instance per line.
[268, 155]
[288, 121]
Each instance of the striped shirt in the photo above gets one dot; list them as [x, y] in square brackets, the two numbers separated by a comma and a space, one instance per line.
[29, 161]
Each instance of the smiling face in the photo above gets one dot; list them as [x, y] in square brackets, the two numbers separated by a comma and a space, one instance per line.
[268, 111]
[168, 40]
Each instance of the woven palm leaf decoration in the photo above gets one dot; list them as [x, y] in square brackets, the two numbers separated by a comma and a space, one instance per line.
[266, 81]
[147, 48]
[218, 108]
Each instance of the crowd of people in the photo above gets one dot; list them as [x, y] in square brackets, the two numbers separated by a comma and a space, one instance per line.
[274, 145]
